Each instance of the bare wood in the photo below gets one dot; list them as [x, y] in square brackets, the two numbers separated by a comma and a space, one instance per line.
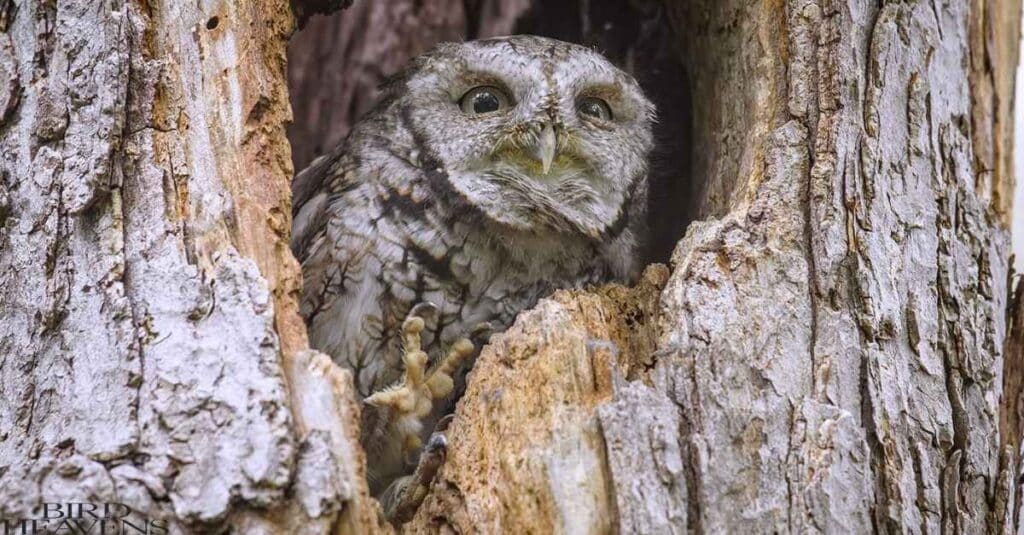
[1011, 414]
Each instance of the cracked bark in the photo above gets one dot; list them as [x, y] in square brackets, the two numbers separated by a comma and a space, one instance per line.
[825, 353]
[149, 333]
[829, 344]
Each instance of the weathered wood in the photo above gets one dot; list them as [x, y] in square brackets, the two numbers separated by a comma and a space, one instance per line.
[831, 338]
[1011, 414]
[529, 454]
[826, 353]
[149, 330]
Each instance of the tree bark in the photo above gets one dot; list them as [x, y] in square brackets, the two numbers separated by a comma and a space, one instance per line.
[151, 353]
[828, 347]
[825, 353]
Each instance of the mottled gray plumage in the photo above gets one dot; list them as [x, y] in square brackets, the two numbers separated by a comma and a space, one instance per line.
[426, 201]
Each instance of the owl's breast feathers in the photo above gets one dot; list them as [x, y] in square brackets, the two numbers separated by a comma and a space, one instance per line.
[376, 235]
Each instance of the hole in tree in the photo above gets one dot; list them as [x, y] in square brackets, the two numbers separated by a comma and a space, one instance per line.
[212, 22]
[337, 63]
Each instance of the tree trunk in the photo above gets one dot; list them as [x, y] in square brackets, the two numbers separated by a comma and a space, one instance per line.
[828, 348]
[826, 352]
[149, 335]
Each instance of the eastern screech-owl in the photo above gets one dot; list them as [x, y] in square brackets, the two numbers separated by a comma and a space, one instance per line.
[491, 173]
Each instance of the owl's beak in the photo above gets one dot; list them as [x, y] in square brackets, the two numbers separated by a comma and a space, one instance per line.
[546, 146]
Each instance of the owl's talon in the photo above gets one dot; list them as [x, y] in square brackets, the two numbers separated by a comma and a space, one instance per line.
[424, 310]
[442, 381]
[481, 331]
[407, 400]
[405, 495]
[412, 399]
[442, 425]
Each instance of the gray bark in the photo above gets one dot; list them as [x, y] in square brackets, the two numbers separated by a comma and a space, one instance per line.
[825, 355]
[850, 304]
[830, 341]
[148, 316]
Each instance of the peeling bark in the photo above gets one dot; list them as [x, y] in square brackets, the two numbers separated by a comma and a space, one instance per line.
[1011, 415]
[529, 453]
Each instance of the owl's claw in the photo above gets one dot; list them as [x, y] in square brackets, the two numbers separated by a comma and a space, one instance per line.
[409, 402]
[424, 310]
[442, 425]
[404, 496]
[481, 333]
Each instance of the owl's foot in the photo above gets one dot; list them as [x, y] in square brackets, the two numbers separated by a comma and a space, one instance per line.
[409, 402]
[405, 495]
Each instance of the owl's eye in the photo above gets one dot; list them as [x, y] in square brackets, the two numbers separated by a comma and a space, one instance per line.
[483, 99]
[595, 107]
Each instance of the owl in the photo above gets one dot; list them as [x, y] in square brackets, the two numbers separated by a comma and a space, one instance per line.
[490, 173]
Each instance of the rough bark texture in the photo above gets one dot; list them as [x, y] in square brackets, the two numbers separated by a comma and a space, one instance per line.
[149, 330]
[829, 343]
[541, 399]
[1011, 417]
[825, 354]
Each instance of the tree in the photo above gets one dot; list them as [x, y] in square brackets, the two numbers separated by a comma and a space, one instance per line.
[825, 353]
[150, 349]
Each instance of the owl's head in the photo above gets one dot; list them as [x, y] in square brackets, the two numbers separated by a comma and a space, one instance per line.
[537, 134]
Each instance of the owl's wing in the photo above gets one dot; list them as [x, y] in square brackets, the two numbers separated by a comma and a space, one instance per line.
[328, 176]
[351, 310]
[340, 256]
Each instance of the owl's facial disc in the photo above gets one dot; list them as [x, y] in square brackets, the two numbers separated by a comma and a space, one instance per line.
[539, 135]
[536, 179]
